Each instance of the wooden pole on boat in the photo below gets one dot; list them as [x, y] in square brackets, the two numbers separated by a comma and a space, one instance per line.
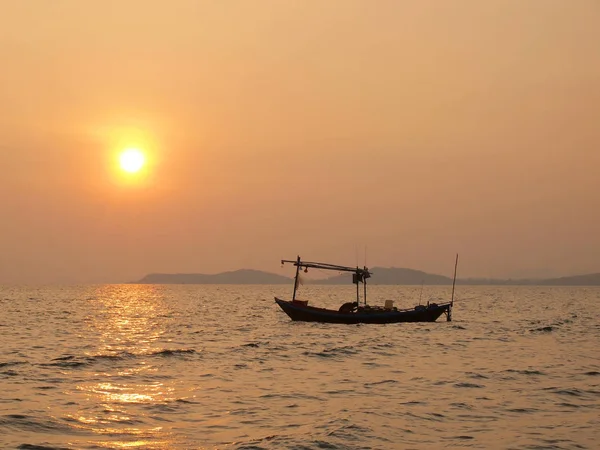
[357, 287]
[365, 276]
[365, 288]
[454, 281]
[296, 278]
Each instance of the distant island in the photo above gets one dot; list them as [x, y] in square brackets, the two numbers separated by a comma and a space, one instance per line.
[242, 276]
[381, 276]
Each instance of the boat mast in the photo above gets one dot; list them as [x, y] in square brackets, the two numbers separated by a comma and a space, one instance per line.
[365, 286]
[357, 286]
[454, 281]
[296, 277]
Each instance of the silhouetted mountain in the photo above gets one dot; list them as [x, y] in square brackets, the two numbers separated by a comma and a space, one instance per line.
[592, 279]
[401, 276]
[498, 282]
[243, 276]
[381, 276]
[577, 280]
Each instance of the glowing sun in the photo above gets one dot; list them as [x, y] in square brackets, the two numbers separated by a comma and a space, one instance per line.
[132, 160]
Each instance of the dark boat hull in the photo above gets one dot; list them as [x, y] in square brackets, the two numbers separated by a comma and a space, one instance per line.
[305, 313]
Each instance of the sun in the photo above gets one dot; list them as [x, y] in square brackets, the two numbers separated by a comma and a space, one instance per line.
[132, 160]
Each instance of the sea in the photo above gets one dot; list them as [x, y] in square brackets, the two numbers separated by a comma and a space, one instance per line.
[222, 367]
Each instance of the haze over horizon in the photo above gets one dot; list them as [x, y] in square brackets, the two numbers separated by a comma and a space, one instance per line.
[270, 129]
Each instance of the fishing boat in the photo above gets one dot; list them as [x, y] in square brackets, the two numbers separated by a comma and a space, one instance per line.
[359, 311]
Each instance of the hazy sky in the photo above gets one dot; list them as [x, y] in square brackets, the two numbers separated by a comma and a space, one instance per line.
[274, 128]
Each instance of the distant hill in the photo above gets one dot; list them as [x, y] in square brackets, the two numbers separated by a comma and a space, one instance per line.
[592, 279]
[243, 276]
[498, 282]
[381, 276]
[402, 276]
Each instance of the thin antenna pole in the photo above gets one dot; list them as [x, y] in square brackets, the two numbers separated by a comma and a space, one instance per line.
[454, 281]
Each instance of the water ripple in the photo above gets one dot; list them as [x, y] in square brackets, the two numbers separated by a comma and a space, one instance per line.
[178, 367]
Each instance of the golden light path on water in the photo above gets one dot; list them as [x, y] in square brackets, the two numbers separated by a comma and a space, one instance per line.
[129, 321]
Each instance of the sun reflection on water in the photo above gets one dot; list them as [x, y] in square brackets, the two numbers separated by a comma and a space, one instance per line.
[132, 317]
[129, 322]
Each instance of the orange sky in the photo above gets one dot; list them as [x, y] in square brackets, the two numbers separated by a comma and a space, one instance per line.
[416, 129]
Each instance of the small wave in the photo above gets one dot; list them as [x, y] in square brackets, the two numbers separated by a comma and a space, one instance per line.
[72, 361]
[323, 444]
[253, 444]
[352, 427]
[349, 350]
[39, 447]
[161, 411]
[592, 373]
[461, 405]
[383, 345]
[476, 375]
[186, 401]
[570, 392]
[68, 361]
[569, 405]
[461, 437]
[468, 385]
[525, 372]
[76, 361]
[28, 423]
[12, 363]
[291, 396]
[377, 383]
[333, 352]
[177, 352]
[319, 354]
[523, 410]
[428, 417]
[374, 364]
[547, 329]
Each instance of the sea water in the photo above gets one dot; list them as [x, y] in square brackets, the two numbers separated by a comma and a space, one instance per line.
[203, 367]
